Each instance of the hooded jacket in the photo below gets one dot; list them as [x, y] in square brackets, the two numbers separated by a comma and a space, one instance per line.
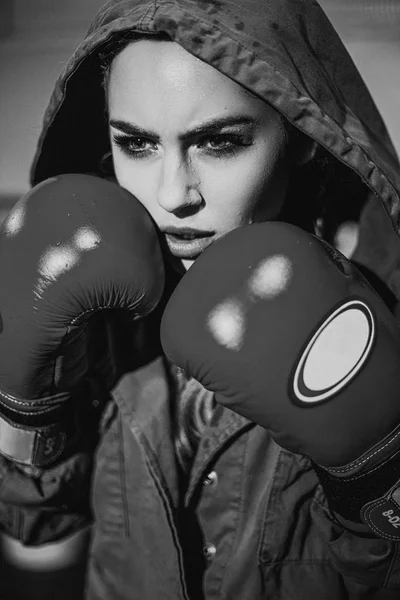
[254, 523]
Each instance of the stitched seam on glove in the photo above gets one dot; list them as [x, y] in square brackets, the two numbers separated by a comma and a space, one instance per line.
[347, 496]
[48, 402]
[366, 457]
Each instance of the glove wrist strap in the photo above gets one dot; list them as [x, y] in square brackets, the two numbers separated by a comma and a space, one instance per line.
[33, 432]
[31, 447]
[371, 497]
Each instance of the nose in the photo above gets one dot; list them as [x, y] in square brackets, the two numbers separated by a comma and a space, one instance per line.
[178, 190]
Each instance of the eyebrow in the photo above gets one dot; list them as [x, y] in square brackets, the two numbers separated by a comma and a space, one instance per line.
[210, 126]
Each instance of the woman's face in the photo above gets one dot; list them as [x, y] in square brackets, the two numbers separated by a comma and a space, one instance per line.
[203, 155]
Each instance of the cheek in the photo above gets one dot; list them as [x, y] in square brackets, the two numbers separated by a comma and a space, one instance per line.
[252, 187]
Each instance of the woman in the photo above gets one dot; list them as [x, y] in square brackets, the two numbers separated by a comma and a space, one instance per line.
[216, 115]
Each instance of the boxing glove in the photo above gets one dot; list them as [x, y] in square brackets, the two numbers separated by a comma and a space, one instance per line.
[288, 333]
[75, 251]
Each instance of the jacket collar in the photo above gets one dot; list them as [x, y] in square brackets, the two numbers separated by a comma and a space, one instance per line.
[225, 425]
[144, 399]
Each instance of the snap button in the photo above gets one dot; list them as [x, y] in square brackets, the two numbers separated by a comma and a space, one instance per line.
[209, 551]
[211, 479]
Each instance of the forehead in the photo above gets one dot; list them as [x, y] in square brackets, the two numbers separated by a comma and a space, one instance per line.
[162, 82]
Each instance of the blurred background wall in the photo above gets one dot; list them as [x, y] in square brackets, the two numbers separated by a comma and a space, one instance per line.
[37, 37]
[36, 40]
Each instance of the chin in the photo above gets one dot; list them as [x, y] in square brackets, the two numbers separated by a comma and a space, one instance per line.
[187, 263]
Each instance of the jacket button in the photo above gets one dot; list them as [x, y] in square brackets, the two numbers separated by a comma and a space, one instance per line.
[211, 479]
[209, 551]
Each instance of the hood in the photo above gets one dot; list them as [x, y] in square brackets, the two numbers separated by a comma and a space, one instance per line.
[284, 51]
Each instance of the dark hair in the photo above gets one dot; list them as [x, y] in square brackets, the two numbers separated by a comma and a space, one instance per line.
[322, 194]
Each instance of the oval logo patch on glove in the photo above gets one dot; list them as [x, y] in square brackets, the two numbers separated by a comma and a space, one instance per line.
[335, 353]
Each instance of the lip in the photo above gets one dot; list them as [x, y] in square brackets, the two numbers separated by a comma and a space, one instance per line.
[187, 231]
[187, 242]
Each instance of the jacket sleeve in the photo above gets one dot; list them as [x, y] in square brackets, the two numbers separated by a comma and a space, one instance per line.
[370, 566]
[43, 505]
[365, 558]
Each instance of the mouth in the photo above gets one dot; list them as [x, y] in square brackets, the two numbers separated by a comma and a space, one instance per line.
[186, 242]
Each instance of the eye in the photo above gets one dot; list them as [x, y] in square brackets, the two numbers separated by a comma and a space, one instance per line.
[223, 144]
[135, 146]
[219, 141]
[137, 143]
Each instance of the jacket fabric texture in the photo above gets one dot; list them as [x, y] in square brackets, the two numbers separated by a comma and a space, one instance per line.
[252, 522]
